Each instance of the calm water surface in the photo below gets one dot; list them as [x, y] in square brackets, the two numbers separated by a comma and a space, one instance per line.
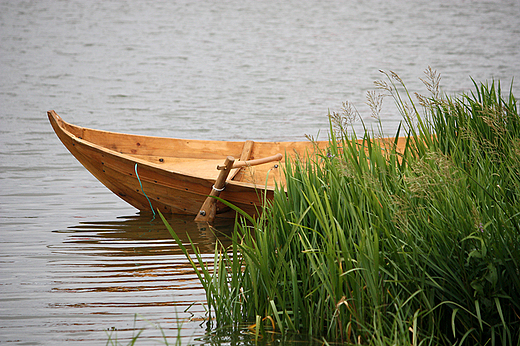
[74, 259]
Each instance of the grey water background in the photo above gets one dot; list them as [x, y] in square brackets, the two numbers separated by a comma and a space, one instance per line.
[74, 259]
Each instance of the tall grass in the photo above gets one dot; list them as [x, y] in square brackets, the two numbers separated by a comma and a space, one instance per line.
[368, 244]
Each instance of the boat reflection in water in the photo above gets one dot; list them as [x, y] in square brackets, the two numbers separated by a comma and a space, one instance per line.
[107, 272]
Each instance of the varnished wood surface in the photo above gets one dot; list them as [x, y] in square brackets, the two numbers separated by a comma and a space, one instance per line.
[177, 174]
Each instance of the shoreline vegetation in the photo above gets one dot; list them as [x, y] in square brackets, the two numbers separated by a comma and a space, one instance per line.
[368, 245]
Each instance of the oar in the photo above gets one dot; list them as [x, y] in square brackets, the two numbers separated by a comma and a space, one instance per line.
[209, 208]
[256, 162]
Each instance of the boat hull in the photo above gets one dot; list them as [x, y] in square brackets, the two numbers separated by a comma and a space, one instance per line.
[141, 170]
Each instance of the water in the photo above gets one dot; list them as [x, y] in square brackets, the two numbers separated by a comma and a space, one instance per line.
[76, 260]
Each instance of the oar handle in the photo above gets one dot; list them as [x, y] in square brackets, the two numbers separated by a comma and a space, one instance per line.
[209, 208]
[248, 163]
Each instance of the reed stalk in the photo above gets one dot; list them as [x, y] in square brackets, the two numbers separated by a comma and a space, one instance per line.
[366, 244]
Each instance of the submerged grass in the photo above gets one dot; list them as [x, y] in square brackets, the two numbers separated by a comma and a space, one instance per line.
[370, 245]
[113, 340]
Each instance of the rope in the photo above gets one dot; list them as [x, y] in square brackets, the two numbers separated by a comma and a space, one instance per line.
[218, 190]
[138, 179]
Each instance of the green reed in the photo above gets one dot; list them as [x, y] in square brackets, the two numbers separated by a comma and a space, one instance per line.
[367, 244]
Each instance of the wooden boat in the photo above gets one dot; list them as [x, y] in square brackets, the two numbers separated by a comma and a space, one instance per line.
[177, 175]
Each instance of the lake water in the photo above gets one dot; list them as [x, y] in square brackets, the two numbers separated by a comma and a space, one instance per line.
[74, 259]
